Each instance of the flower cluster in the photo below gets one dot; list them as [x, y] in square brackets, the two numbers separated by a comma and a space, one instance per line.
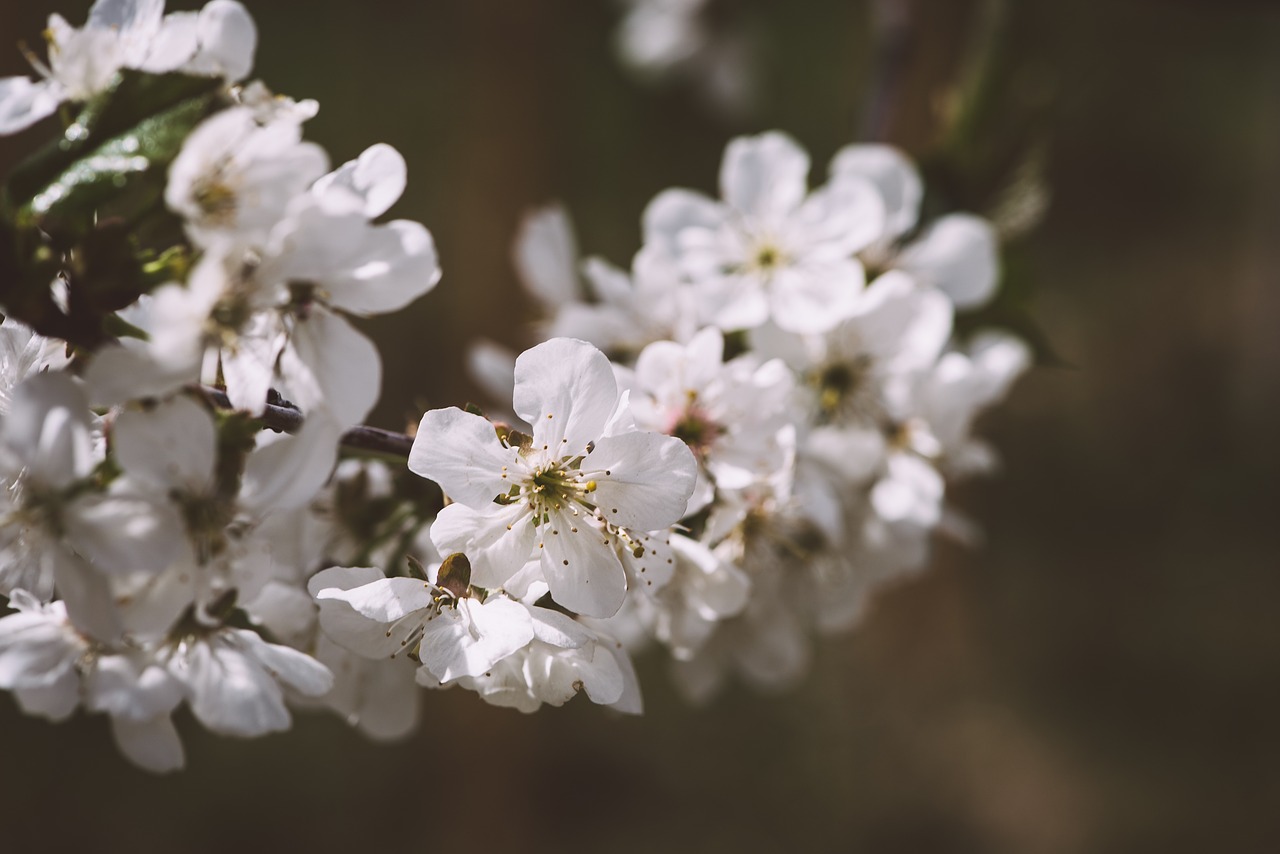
[800, 343]
[723, 449]
[156, 542]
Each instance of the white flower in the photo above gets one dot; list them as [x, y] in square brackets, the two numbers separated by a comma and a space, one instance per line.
[23, 353]
[452, 633]
[54, 523]
[770, 250]
[235, 178]
[957, 253]
[729, 414]
[218, 41]
[51, 667]
[583, 480]
[234, 680]
[624, 312]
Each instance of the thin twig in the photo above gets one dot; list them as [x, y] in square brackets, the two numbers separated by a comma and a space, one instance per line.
[284, 417]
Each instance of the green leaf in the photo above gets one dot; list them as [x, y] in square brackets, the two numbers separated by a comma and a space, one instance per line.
[124, 177]
[133, 97]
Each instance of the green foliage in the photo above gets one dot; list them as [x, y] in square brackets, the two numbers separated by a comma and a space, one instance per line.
[87, 208]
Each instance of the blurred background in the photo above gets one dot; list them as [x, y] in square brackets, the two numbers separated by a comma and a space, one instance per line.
[1102, 676]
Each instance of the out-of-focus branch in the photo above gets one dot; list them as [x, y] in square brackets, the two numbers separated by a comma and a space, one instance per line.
[892, 36]
[283, 417]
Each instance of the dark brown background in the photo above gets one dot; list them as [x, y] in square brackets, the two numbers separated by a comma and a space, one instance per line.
[1101, 677]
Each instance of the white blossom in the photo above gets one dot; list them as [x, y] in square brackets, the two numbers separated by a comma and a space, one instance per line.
[584, 479]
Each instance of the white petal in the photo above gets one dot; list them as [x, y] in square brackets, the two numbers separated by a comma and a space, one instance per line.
[470, 639]
[289, 471]
[120, 373]
[24, 102]
[498, 543]
[229, 691]
[649, 481]
[330, 365]
[228, 39]
[398, 264]
[673, 212]
[764, 175]
[47, 428]
[171, 446]
[817, 297]
[958, 255]
[581, 567]
[153, 745]
[126, 14]
[461, 452]
[378, 176]
[296, 669]
[126, 530]
[566, 390]
[893, 176]
[546, 256]
[385, 600]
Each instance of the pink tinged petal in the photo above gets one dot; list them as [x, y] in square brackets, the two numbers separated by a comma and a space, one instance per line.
[893, 176]
[461, 452]
[673, 212]
[648, 482]
[385, 600]
[329, 365]
[378, 177]
[290, 667]
[152, 745]
[24, 102]
[172, 446]
[47, 427]
[815, 298]
[581, 566]
[764, 176]
[566, 390]
[470, 639]
[498, 542]
[958, 255]
[546, 256]
[285, 472]
[228, 39]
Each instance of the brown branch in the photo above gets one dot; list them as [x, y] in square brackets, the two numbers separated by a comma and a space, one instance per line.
[284, 417]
